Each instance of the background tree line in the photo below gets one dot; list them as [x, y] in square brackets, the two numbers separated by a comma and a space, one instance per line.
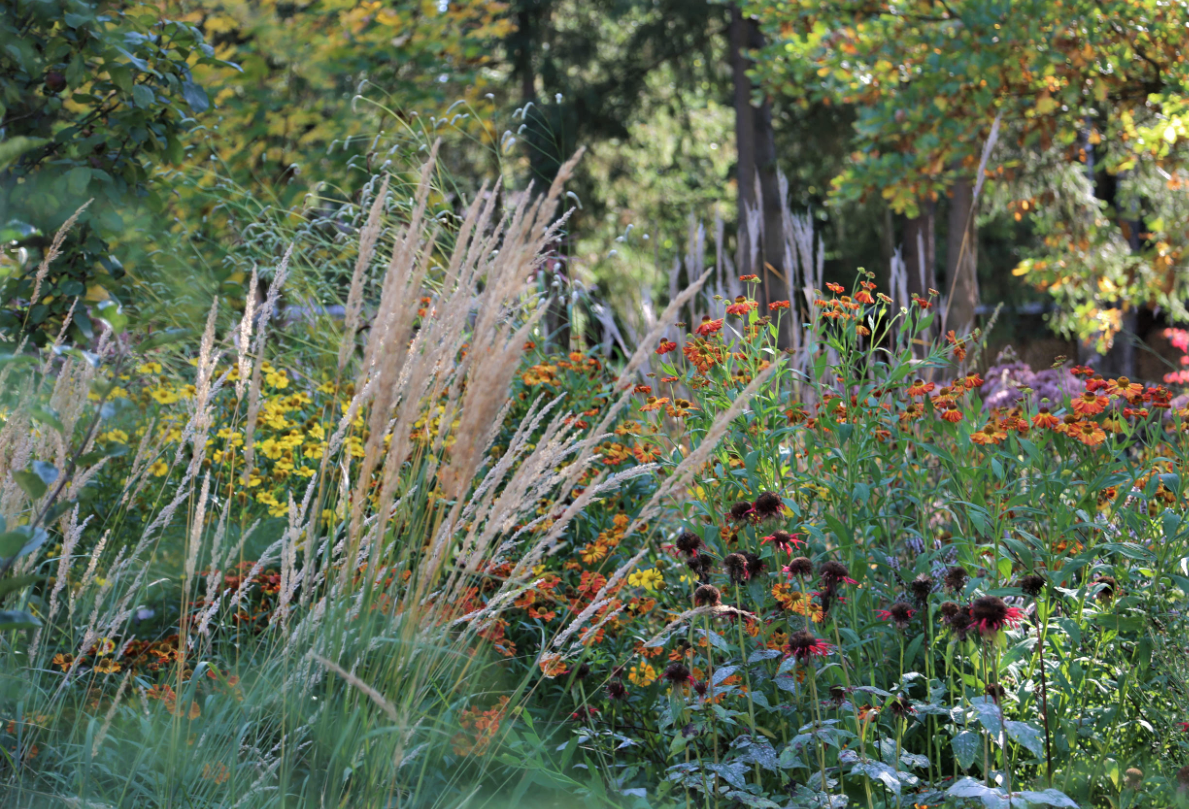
[185, 120]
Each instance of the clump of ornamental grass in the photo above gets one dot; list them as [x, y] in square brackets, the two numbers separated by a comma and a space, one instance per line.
[355, 612]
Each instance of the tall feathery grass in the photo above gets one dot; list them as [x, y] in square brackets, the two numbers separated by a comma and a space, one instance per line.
[186, 653]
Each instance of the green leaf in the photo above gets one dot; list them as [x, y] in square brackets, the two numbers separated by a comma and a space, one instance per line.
[30, 482]
[1027, 736]
[11, 620]
[111, 314]
[143, 96]
[10, 151]
[21, 541]
[195, 96]
[17, 583]
[965, 746]
[46, 416]
[77, 179]
[11, 543]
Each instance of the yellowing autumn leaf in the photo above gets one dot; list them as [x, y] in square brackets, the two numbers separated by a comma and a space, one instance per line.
[1045, 104]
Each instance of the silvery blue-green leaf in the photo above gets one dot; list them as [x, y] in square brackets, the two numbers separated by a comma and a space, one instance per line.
[879, 771]
[747, 799]
[756, 751]
[988, 714]
[1051, 797]
[1027, 736]
[914, 759]
[870, 689]
[931, 708]
[787, 665]
[789, 760]
[965, 746]
[787, 684]
[723, 673]
[46, 471]
[759, 699]
[734, 773]
[814, 781]
[969, 788]
[764, 654]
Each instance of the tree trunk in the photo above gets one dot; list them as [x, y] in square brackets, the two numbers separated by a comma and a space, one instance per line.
[920, 262]
[556, 321]
[961, 259]
[756, 174]
[1119, 359]
[920, 251]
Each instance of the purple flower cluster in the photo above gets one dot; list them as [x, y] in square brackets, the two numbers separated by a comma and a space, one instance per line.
[1004, 380]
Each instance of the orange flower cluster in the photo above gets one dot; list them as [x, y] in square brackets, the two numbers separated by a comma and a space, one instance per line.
[478, 729]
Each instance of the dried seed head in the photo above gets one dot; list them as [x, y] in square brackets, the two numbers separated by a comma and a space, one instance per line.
[956, 578]
[1109, 587]
[701, 565]
[900, 614]
[688, 543]
[901, 708]
[921, 587]
[735, 566]
[801, 566]
[768, 506]
[948, 610]
[833, 573]
[991, 613]
[677, 673]
[755, 565]
[741, 512]
[707, 595]
[616, 690]
[961, 624]
[1033, 584]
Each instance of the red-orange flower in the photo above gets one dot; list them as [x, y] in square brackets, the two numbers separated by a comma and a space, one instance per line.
[990, 434]
[1124, 387]
[952, 414]
[920, 388]
[708, 326]
[741, 306]
[749, 277]
[666, 346]
[1089, 405]
[1044, 419]
[837, 289]
[1088, 432]
[863, 296]
[772, 307]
